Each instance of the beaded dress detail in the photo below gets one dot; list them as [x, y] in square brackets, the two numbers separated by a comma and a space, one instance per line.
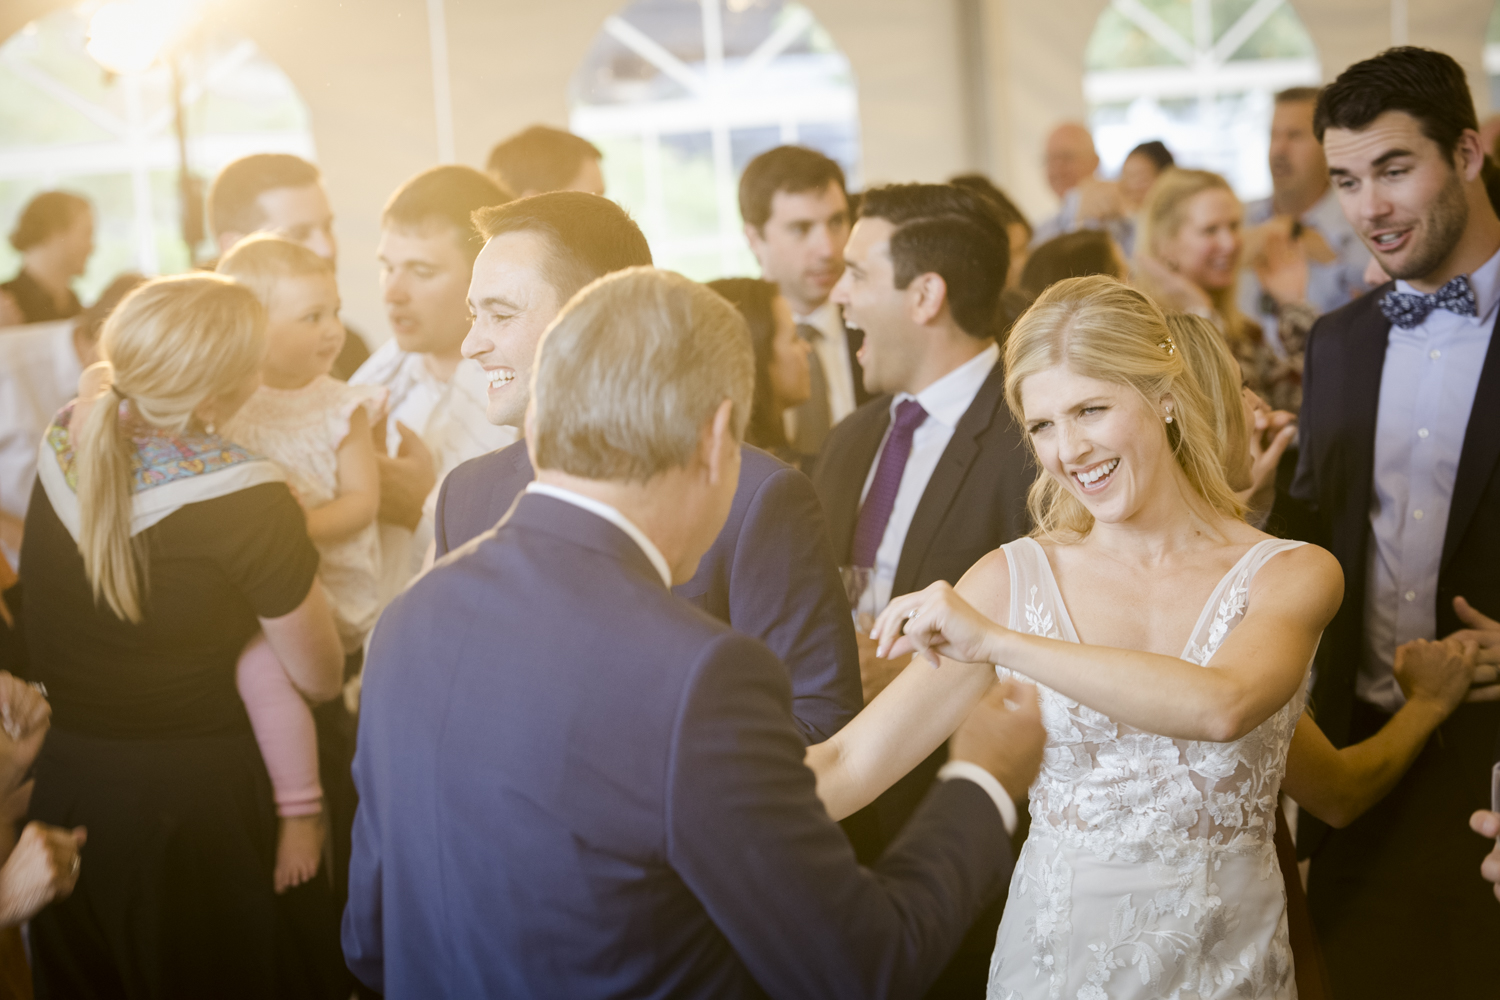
[1149, 870]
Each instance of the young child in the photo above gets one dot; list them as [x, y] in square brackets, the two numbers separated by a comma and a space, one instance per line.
[318, 430]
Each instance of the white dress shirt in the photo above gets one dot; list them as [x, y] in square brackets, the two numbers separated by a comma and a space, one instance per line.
[1427, 390]
[449, 417]
[833, 351]
[613, 516]
[946, 401]
[39, 372]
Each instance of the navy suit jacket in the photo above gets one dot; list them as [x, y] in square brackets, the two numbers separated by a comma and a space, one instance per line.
[574, 784]
[770, 573]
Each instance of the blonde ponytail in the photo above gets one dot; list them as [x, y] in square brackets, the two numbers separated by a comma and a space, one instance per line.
[172, 345]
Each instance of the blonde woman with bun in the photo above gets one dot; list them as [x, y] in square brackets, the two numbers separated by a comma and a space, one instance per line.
[1170, 643]
[154, 550]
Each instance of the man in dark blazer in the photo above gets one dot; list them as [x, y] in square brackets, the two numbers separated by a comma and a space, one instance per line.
[574, 784]
[932, 474]
[1399, 476]
[797, 217]
[770, 574]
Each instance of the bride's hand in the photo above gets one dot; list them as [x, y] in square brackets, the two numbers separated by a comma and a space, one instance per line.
[934, 622]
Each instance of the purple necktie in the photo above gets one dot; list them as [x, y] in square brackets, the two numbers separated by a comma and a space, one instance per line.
[876, 510]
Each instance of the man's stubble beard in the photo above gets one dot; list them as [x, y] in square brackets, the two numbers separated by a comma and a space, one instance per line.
[1445, 224]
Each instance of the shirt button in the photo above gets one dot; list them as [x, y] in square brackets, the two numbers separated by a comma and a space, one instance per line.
[1411, 595]
[1435, 354]
[1417, 514]
[1422, 432]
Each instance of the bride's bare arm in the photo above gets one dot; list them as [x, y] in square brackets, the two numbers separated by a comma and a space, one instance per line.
[1255, 672]
[914, 714]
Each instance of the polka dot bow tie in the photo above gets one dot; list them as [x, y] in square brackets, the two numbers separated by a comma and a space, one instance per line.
[1409, 309]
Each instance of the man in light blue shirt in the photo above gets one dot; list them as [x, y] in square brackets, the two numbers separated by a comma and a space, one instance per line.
[1399, 476]
[1300, 190]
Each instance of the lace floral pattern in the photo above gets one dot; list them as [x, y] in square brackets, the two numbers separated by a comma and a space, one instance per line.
[1150, 869]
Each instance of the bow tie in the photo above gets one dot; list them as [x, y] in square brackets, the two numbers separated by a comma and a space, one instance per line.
[1409, 309]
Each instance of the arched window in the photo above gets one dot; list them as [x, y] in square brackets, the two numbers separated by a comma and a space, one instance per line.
[681, 94]
[1199, 75]
[66, 122]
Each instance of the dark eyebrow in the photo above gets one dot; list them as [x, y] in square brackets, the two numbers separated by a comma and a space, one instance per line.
[1379, 161]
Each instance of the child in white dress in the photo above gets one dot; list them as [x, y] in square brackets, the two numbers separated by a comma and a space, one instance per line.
[318, 430]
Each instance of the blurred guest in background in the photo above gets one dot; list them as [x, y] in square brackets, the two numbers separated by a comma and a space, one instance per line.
[797, 219]
[436, 411]
[1073, 255]
[541, 159]
[782, 376]
[1138, 174]
[1188, 259]
[55, 237]
[1070, 160]
[1299, 231]
[281, 194]
[1016, 226]
[39, 369]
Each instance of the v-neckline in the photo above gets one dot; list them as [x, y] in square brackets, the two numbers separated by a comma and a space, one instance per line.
[1066, 616]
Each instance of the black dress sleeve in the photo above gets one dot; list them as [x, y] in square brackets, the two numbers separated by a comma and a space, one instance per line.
[265, 549]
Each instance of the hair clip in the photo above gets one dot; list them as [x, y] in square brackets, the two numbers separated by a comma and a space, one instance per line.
[1168, 345]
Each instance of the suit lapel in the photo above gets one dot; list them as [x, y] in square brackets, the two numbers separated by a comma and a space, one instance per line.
[963, 448]
[1476, 462]
[1364, 364]
[842, 472]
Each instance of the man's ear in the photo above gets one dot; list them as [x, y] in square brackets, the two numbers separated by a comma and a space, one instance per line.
[1469, 154]
[928, 294]
[756, 237]
[717, 443]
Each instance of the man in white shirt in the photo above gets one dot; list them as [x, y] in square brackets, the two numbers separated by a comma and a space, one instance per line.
[1071, 162]
[437, 399]
[39, 368]
[797, 219]
[922, 481]
[1302, 218]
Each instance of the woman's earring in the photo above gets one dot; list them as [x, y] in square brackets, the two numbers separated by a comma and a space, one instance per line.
[1169, 416]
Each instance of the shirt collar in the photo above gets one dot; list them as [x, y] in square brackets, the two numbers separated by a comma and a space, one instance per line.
[826, 317]
[947, 399]
[614, 517]
[1485, 280]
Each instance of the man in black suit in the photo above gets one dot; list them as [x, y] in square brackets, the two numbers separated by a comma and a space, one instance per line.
[1399, 477]
[770, 574]
[932, 474]
[797, 219]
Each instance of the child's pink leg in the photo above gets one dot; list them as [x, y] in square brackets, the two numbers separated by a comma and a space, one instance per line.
[283, 727]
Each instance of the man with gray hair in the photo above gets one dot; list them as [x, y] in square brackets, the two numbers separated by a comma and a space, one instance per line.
[573, 783]
[770, 574]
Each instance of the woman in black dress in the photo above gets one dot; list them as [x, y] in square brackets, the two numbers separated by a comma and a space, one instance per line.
[154, 550]
[782, 376]
[55, 238]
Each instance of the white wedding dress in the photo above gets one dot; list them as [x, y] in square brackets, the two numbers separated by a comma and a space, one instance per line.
[1150, 870]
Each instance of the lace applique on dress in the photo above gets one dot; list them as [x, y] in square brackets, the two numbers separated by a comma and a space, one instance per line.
[1150, 870]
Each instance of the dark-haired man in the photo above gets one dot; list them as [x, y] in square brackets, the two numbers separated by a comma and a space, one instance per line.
[1399, 476]
[770, 574]
[796, 213]
[436, 401]
[932, 474]
[282, 194]
[541, 159]
[1301, 219]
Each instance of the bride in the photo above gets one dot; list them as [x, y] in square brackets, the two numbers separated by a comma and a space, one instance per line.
[1149, 870]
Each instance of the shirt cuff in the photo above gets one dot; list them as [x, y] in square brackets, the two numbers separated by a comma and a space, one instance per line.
[991, 785]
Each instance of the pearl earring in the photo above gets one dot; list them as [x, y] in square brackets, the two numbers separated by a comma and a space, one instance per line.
[1169, 416]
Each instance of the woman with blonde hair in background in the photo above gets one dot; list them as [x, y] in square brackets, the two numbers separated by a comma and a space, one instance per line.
[1188, 254]
[154, 551]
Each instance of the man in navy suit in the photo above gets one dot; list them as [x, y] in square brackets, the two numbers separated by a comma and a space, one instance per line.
[1399, 477]
[575, 784]
[770, 573]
